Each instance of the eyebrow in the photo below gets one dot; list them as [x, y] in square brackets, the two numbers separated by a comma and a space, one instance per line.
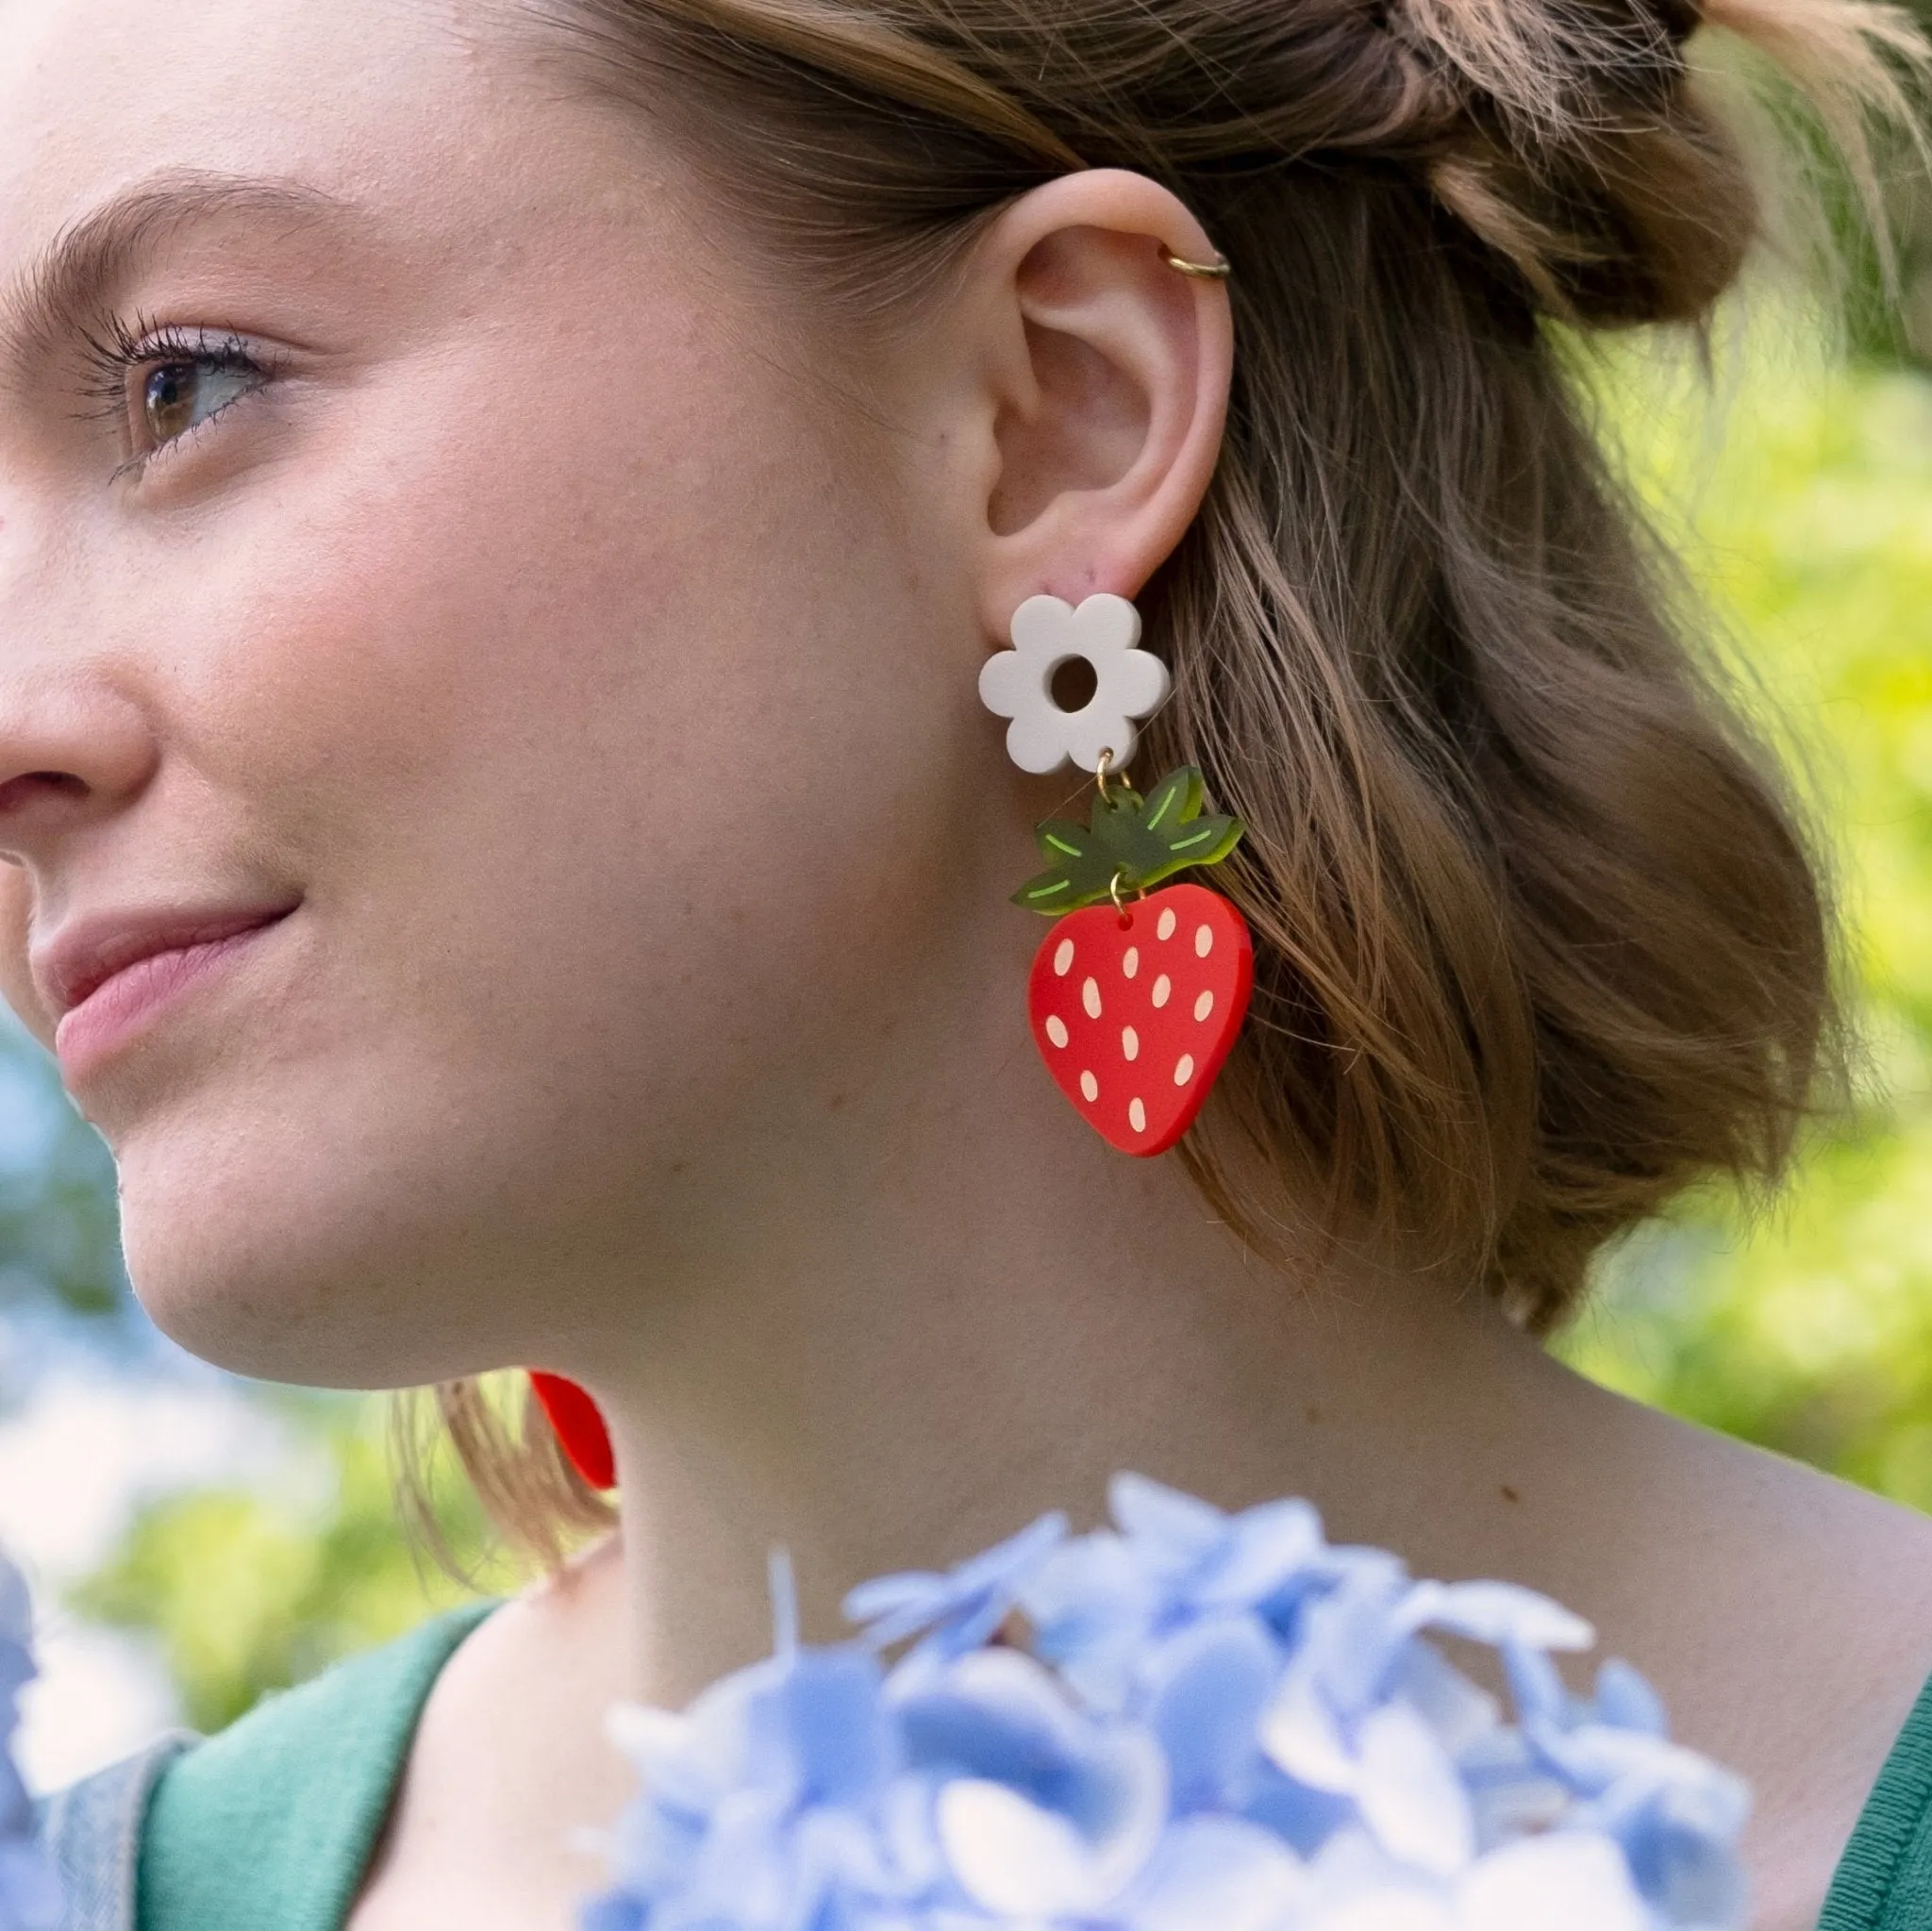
[64, 289]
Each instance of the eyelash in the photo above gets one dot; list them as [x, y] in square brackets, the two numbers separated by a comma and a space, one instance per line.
[122, 346]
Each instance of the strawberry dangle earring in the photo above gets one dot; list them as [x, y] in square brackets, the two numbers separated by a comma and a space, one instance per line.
[1137, 995]
[580, 1427]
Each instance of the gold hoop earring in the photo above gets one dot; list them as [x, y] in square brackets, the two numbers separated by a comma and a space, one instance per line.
[1216, 270]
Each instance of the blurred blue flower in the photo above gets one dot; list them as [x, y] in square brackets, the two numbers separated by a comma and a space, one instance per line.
[756, 1809]
[1040, 1809]
[1676, 1815]
[959, 1610]
[1223, 1724]
[1369, 1711]
[1097, 1601]
[30, 1896]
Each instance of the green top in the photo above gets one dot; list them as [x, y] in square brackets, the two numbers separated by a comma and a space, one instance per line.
[1884, 1880]
[273, 1822]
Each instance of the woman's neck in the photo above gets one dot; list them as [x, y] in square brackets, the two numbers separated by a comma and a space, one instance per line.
[899, 1375]
[904, 1344]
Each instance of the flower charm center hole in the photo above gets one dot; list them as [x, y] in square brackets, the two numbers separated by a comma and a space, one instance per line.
[1073, 684]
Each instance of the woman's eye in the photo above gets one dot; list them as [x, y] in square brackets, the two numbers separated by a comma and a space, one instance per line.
[179, 397]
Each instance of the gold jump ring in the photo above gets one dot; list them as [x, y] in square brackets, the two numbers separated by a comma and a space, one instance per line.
[1101, 769]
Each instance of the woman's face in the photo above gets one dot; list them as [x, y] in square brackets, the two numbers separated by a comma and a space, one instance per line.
[442, 612]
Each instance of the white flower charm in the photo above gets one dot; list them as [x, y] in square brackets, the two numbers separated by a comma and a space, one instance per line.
[1018, 683]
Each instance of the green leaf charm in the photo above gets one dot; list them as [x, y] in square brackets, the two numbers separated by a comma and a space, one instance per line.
[1133, 840]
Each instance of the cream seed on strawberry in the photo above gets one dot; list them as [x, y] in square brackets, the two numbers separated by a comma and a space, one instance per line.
[1130, 1042]
[1204, 1005]
[1137, 1116]
[1184, 1069]
[1090, 1087]
[1089, 998]
[1057, 1029]
[1165, 929]
[1163, 990]
[1063, 958]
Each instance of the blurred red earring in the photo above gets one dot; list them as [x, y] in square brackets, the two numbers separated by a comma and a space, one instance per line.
[580, 1427]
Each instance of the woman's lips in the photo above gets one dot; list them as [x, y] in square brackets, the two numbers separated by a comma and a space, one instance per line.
[147, 972]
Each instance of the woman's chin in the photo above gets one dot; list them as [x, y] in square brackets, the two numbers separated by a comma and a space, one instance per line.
[266, 1274]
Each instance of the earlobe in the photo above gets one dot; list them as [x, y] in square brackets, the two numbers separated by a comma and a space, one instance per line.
[1114, 366]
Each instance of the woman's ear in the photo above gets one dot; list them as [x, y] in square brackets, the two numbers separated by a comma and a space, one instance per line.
[1104, 373]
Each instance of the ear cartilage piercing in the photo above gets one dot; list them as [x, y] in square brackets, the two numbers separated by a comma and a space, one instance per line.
[1137, 995]
[1216, 270]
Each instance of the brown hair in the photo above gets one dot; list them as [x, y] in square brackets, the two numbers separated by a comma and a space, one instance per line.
[1538, 941]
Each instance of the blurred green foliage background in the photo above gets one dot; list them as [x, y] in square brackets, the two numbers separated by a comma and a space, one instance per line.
[1804, 501]
[1801, 489]
[247, 1593]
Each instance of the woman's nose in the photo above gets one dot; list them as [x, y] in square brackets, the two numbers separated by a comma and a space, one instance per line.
[75, 745]
[74, 750]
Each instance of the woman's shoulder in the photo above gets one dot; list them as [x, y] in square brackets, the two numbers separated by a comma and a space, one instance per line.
[1884, 1880]
[1847, 1654]
[510, 1762]
[1786, 1618]
[1859, 1624]
[270, 1822]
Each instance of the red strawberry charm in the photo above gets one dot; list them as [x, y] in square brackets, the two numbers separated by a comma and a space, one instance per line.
[1136, 1005]
[1135, 1011]
[579, 1425]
